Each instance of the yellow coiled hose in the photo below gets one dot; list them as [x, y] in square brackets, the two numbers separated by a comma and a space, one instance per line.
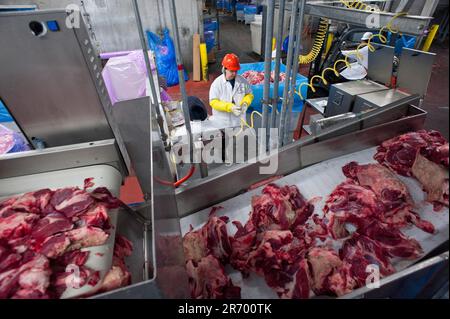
[359, 5]
[318, 43]
[389, 27]
[317, 46]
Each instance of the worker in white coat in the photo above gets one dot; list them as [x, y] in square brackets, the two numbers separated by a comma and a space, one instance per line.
[358, 69]
[230, 95]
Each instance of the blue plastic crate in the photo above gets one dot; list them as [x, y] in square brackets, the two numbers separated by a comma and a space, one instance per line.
[210, 25]
[258, 90]
[240, 6]
[250, 10]
[225, 5]
[210, 40]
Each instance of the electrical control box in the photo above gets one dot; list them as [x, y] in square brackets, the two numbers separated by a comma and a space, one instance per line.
[342, 95]
[372, 101]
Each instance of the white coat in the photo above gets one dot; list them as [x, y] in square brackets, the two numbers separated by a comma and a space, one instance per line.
[358, 71]
[222, 90]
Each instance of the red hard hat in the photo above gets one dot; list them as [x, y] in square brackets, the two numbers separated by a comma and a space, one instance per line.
[231, 62]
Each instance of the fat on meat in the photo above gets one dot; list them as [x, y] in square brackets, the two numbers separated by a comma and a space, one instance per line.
[400, 152]
[391, 191]
[434, 179]
[43, 232]
[206, 251]
[280, 208]
[17, 225]
[329, 274]
[208, 280]
[416, 154]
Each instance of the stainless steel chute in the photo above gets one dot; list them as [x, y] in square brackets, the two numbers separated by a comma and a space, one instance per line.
[53, 87]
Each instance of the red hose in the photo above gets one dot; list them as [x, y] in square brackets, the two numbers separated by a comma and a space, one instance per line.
[184, 179]
[181, 181]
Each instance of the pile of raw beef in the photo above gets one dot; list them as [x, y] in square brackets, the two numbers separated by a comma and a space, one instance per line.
[301, 254]
[42, 239]
[257, 78]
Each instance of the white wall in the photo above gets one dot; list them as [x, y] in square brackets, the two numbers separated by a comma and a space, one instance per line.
[114, 24]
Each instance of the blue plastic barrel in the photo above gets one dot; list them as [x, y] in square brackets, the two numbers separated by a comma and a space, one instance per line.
[258, 90]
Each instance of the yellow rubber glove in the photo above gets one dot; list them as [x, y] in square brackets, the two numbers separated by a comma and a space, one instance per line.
[248, 99]
[221, 106]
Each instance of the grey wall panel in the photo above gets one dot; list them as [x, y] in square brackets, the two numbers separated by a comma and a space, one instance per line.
[114, 24]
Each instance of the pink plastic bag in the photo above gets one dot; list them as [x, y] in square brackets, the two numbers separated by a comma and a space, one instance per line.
[125, 77]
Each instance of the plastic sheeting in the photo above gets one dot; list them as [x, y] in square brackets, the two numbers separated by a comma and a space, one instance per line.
[11, 142]
[166, 62]
[126, 77]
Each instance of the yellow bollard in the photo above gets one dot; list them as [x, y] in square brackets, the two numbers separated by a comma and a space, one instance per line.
[433, 31]
[204, 60]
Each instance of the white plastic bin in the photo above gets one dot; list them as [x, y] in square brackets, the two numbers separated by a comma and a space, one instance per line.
[256, 30]
[240, 16]
[249, 18]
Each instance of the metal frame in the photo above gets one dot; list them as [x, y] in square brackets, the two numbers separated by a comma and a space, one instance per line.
[87, 65]
[153, 224]
[289, 65]
[413, 25]
[165, 206]
[356, 135]
[267, 63]
[62, 157]
[279, 44]
[284, 130]
[381, 63]
[415, 70]
[187, 117]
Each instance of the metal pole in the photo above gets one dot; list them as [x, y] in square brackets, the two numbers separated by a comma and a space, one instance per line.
[201, 29]
[282, 7]
[288, 69]
[149, 73]
[268, 63]
[218, 25]
[187, 117]
[149, 197]
[295, 69]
